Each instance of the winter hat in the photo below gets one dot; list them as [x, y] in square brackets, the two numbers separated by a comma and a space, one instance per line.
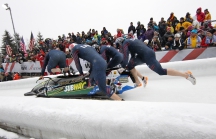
[190, 28]
[177, 35]
[194, 31]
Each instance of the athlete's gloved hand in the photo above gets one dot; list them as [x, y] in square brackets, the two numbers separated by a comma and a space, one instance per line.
[41, 77]
[121, 70]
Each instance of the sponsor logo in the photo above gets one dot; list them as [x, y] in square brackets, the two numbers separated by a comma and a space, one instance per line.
[123, 79]
[74, 87]
[23, 67]
[87, 65]
[78, 79]
[34, 68]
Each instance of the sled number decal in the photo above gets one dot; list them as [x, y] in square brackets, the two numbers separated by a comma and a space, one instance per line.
[74, 87]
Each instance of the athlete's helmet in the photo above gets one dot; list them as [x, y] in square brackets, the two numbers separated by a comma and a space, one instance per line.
[96, 47]
[119, 41]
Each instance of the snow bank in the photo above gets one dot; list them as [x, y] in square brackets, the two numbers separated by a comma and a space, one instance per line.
[8, 135]
[94, 119]
[46, 118]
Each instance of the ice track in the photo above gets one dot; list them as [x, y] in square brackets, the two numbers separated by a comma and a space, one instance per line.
[169, 107]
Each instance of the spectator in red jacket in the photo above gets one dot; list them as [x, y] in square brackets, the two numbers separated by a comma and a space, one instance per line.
[208, 40]
[16, 76]
[119, 33]
[200, 15]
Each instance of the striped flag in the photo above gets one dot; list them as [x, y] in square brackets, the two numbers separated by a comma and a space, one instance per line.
[32, 40]
[22, 44]
[9, 50]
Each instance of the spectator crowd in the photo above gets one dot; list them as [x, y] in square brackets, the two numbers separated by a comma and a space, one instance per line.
[171, 34]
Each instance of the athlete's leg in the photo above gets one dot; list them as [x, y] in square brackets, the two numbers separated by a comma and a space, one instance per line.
[156, 66]
[99, 73]
[131, 66]
[51, 65]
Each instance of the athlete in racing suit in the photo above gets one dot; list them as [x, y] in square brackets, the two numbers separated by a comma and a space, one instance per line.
[98, 67]
[52, 59]
[109, 52]
[140, 54]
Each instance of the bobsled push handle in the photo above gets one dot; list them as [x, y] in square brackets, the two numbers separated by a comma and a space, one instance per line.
[48, 78]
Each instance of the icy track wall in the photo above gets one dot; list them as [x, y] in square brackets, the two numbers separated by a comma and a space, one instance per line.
[44, 118]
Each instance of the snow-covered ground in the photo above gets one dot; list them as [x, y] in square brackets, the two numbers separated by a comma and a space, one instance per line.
[169, 107]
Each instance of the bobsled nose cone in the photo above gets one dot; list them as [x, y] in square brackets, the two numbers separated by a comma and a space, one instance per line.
[30, 94]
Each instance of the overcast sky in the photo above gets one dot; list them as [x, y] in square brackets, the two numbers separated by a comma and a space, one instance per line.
[57, 17]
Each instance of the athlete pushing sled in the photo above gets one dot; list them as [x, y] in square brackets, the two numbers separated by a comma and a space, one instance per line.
[140, 54]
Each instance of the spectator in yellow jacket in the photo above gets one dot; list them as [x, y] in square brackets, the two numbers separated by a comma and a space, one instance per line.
[207, 15]
[182, 23]
[169, 25]
[193, 41]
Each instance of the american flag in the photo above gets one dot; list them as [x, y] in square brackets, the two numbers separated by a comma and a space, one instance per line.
[32, 40]
[22, 44]
[9, 50]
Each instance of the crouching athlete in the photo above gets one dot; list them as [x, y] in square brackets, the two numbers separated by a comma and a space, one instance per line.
[111, 55]
[52, 59]
[140, 54]
[116, 57]
[98, 68]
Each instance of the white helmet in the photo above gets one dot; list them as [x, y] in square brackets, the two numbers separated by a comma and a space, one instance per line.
[119, 41]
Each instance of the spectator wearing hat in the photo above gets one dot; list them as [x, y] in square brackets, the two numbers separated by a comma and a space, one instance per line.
[7, 77]
[162, 26]
[149, 34]
[155, 26]
[209, 39]
[183, 33]
[193, 41]
[182, 23]
[207, 15]
[131, 28]
[178, 43]
[166, 35]
[155, 44]
[172, 20]
[200, 15]
[188, 18]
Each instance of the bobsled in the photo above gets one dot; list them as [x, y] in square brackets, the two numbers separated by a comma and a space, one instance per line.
[76, 86]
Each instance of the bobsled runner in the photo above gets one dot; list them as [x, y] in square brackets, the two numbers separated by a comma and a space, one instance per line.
[76, 86]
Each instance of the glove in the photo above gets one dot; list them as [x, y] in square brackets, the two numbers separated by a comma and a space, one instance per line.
[120, 70]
